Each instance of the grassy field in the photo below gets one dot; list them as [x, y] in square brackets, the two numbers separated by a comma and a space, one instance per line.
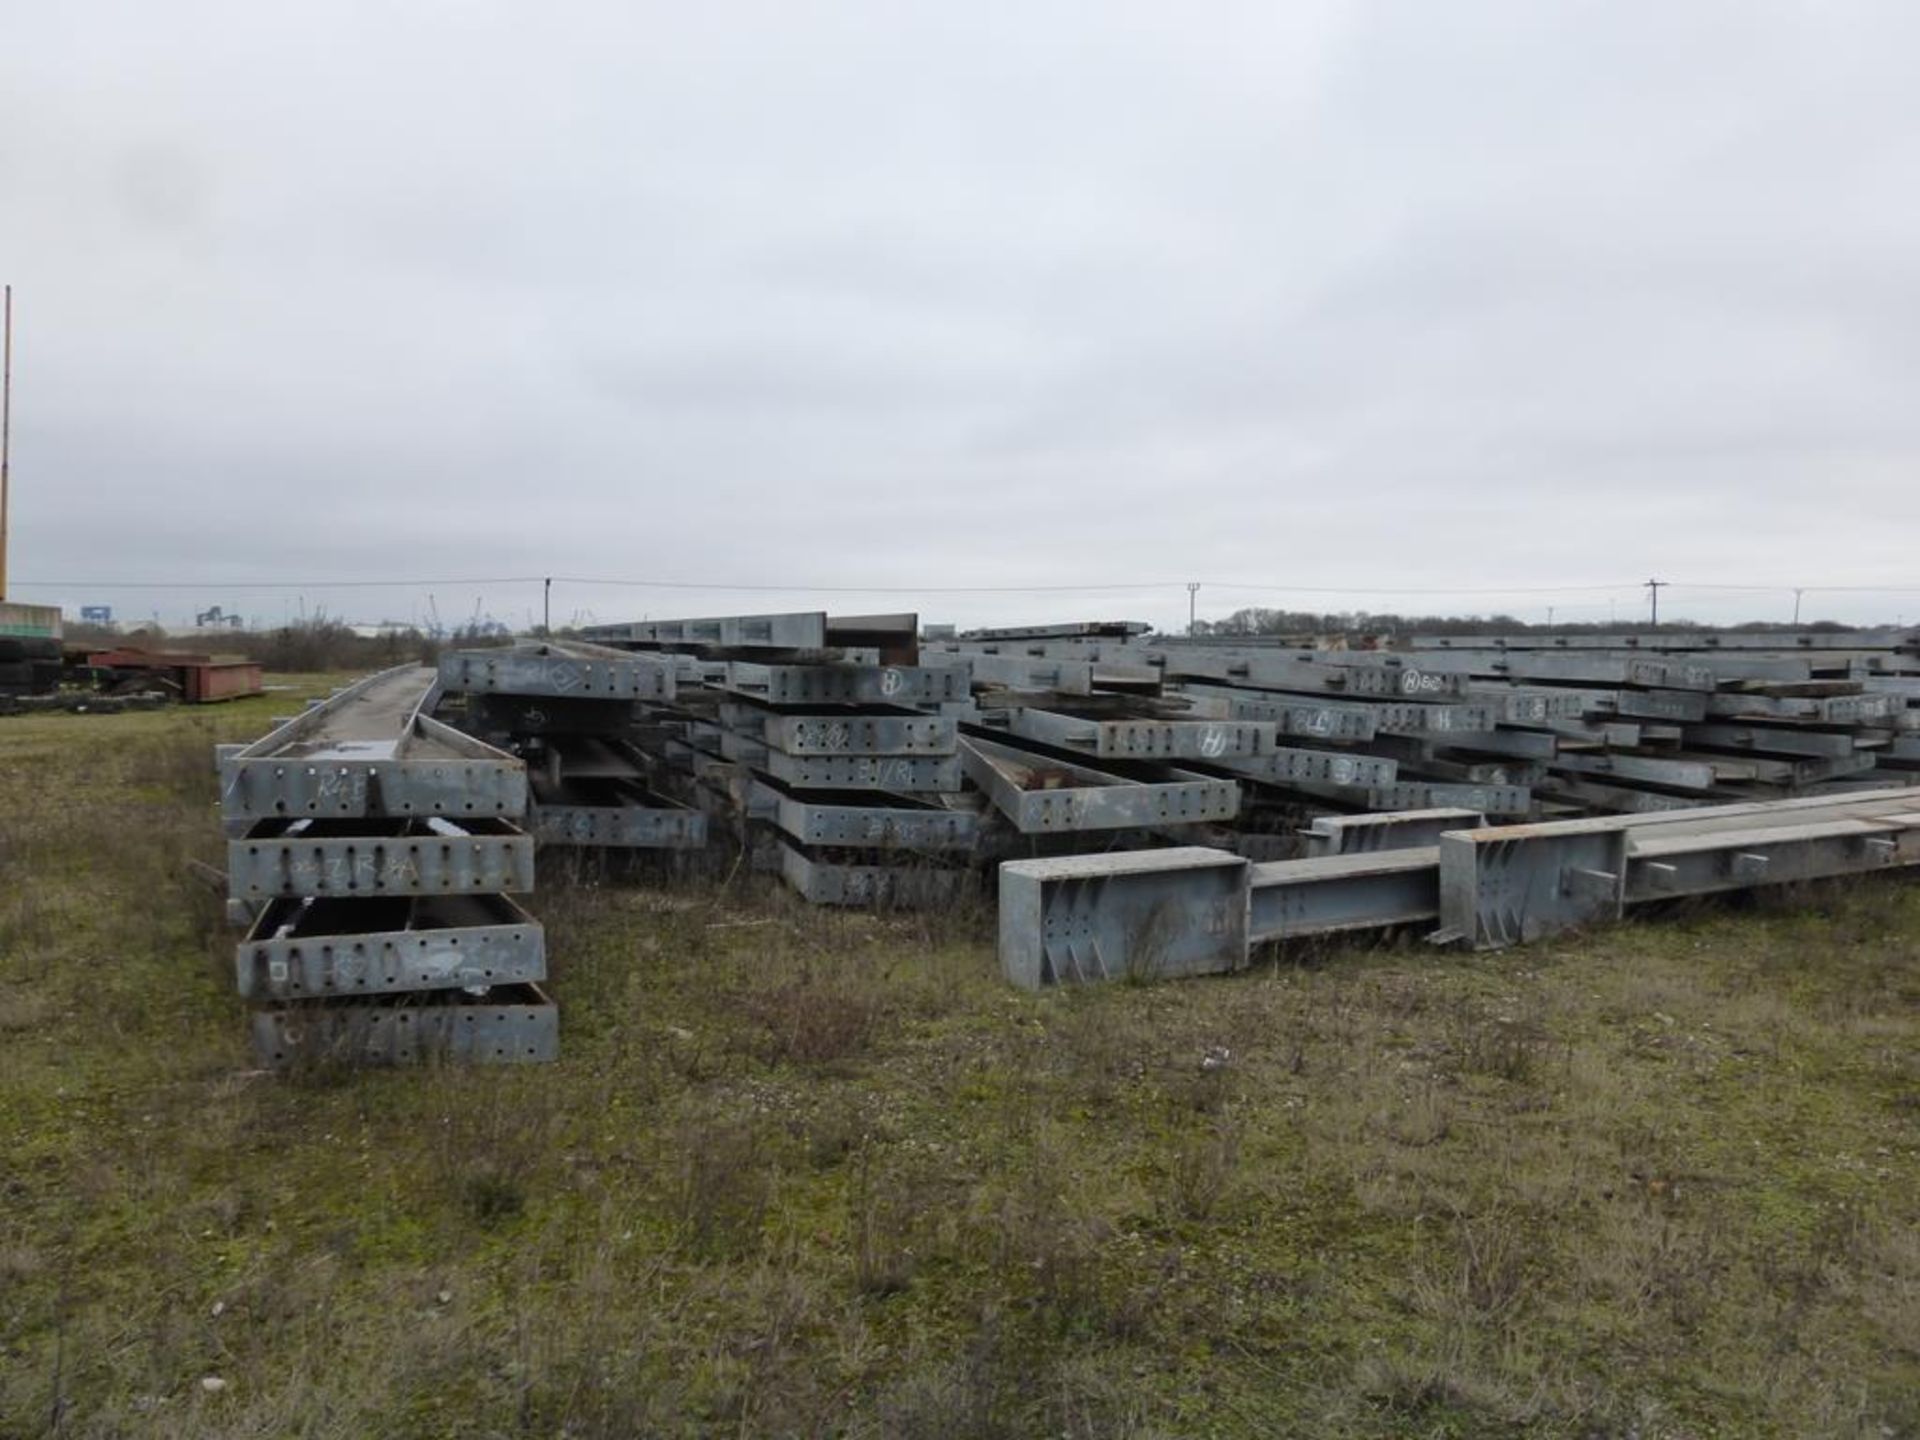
[801, 1173]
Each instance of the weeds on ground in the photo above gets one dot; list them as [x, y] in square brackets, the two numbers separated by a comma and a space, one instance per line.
[804, 1173]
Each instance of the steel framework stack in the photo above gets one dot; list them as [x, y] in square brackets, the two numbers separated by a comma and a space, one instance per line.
[1514, 726]
[373, 856]
[833, 754]
[866, 773]
[1191, 910]
[576, 713]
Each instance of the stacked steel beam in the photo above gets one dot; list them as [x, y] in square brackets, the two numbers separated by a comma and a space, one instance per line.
[574, 711]
[832, 753]
[1297, 734]
[1509, 726]
[1190, 910]
[869, 772]
[372, 855]
[1678, 719]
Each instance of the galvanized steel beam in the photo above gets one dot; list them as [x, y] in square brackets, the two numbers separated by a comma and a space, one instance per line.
[379, 857]
[514, 1025]
[561, 671]
[1040, 794]
[300, 949]
[1393, 830]
[1512, 884]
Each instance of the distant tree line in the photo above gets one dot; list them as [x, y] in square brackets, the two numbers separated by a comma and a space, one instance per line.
[1256, 620]
[319, 643]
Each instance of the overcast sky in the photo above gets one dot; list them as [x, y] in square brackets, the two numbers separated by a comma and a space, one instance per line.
[1358, 297]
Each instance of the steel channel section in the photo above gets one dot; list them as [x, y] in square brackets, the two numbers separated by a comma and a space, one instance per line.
[832, 882]
[656, 826]
[908, 774]
[1507, 744]
[1428, 795]
[1420, 719]
[803, 735]
[1685, 706]
[1822, 710]
[523, 716]
[1408, 717]
[876, 827]
[370, 750]
[1595, 795]
[430, 857]
[1289, 716]
[1091, 799]
[1787, 771]
[515, 1025]
[1060, 677]
[1512, 884]
[1776, 739]
[1610, 670]
[552, 671]
[393, 696]
[1527, 707]
[847, 684]
[1651, 770]
[1334, 894]
[300, 949]
[469, 778]
[1142, 914]
[1327, 767]
[1145, 739]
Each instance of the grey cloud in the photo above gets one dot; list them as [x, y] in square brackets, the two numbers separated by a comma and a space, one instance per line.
[1374, 296]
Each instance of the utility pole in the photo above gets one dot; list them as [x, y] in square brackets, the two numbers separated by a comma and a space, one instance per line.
[6, 432]
[1653, 598]
[1193, 589]
[1549, 617]
[546, 610]
[1798, 591]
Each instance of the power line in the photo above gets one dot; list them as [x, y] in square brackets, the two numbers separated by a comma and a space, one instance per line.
[804, 588]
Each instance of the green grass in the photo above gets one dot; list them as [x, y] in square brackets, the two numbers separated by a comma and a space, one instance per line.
[802, 1173]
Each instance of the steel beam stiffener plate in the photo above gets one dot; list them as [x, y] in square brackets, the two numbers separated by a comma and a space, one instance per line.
[379, 857]
[303, 948]
[515, 1024]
